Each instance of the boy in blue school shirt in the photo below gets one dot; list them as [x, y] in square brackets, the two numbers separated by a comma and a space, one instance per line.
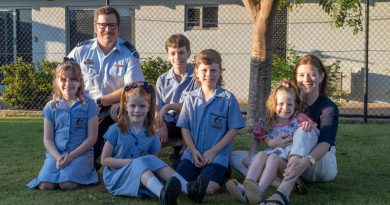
[172, 87]
[210, 119]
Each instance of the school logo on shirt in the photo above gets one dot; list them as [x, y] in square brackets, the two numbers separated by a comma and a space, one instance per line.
[216, 122]
[79, 123]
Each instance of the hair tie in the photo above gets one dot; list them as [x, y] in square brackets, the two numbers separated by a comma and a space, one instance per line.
[287, 85]
[142, 84]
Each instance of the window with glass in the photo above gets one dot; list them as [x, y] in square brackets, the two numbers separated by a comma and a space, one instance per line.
[201, 17]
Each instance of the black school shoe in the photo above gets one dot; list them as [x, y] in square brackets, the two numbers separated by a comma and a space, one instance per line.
[170, 192]
[197, 188]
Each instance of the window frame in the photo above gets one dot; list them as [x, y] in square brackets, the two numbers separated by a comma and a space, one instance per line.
[201, 26]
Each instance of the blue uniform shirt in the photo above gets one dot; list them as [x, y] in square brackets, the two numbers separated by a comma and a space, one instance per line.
[131, 145]
[104, 74]
[70, 124]
[170, 90]
[210, 121]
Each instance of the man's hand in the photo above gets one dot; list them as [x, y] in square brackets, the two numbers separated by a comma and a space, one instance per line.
[162, 132]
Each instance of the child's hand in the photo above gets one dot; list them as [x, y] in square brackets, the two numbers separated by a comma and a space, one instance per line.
[63, 161]
[306, 126]
[198, 159]
[282, 140]
[208, 157]
[59, 161]
[247, 161]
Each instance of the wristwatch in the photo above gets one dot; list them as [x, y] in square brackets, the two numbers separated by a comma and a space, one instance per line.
[312, 160]
[99, 102]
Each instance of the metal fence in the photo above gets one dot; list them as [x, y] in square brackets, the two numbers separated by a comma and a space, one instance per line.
[50, 32]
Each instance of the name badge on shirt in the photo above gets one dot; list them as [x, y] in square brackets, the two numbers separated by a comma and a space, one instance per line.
[79, 123]
[88, 62]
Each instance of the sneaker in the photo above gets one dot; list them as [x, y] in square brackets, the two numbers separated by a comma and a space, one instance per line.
[197, 188]
[235, 191]
[252, 191]
[170, 192]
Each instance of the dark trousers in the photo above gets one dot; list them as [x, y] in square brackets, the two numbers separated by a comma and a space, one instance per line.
[105, 122]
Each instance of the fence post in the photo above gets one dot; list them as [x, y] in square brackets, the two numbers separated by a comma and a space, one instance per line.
[366, 61]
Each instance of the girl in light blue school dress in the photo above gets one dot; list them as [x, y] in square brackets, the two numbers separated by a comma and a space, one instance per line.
[131, 167]
[210, 120]
[70, 131]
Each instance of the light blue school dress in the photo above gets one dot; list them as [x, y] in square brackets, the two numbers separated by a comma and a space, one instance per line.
[70, 130]
[126, 181]
[210, 121]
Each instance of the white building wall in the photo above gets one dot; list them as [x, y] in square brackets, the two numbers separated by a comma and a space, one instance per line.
[48, 32]
[310, 31]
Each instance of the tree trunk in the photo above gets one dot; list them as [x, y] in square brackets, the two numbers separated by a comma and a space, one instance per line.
[262, 14]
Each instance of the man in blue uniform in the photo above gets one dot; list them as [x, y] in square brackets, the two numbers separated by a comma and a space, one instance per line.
[107, 63]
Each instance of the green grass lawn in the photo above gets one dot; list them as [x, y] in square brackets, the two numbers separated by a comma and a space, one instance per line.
[363, 154]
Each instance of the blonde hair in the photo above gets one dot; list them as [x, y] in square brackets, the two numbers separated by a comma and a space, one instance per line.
[286, 86]
[74, 68]
[208, 57]
[142, 89]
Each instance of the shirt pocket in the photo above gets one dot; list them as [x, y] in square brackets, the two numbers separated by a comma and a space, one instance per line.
[217, 121]
[87, 68]
[79, 123]
[117, 70]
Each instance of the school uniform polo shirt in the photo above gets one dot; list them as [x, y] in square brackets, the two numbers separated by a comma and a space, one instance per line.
[104, 74]
[210, 121]
[170, 90]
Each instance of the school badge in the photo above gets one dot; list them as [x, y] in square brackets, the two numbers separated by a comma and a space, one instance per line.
[216, 122]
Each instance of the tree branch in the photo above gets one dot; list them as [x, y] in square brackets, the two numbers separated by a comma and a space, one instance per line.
[252, 7]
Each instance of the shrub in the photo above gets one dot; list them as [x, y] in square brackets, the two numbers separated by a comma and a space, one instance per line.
[27, 85]
[153, 68]
[284, 68]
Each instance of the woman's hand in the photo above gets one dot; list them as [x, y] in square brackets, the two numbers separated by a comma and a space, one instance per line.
[295, 167]
[281, 140]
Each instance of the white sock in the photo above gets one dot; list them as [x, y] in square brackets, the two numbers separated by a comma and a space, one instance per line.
[154, 185]
[183, 182]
